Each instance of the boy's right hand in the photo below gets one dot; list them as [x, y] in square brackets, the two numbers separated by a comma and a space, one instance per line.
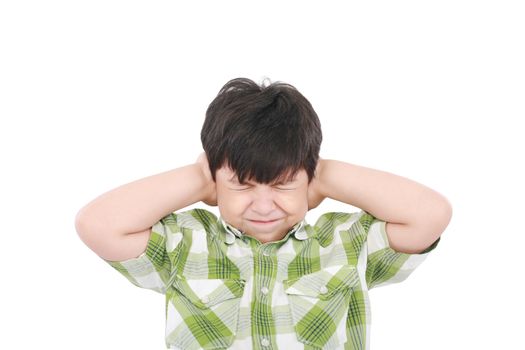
[210, 196]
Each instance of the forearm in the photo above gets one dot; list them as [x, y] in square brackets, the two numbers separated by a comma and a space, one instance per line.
[136, 206]
[387, 196]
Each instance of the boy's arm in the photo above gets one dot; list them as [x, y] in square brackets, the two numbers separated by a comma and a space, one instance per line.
[415, 215]
[117, 224]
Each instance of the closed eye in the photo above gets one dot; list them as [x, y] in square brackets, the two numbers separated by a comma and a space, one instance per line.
[285, 188]
[240, 188]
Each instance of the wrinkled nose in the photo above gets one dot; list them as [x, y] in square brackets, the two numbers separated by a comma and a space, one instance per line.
[263, 202]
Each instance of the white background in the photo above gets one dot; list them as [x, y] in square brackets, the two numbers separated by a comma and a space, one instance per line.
[95, 94]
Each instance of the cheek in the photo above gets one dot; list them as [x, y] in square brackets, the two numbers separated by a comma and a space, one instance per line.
[232, 203]
[295, 204]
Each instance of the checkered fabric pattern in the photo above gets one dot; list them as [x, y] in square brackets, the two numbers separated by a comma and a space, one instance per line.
[227, 290]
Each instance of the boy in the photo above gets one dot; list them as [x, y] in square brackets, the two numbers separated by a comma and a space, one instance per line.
[258, 276]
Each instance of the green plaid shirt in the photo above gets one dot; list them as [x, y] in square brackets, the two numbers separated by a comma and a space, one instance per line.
[226, 290]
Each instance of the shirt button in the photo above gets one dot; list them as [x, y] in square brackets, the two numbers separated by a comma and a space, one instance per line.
[264, 290]
[266, 253]
[301, 235]
[265, 342]
[205, 299]
[323, 290]
[230, 238]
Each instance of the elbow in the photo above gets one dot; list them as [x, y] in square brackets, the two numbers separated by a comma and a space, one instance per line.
[79, 223]
[86, 228]
[442, 218]
[436, 210]
[446, 212]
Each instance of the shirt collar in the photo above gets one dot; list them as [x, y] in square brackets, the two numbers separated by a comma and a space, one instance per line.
[298, 231]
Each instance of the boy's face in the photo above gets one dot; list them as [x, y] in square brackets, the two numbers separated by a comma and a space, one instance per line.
[266, 212]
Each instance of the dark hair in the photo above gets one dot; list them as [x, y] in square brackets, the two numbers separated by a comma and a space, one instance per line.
[265, 133]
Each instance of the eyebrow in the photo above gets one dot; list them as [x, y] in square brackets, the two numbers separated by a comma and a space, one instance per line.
[234, 178]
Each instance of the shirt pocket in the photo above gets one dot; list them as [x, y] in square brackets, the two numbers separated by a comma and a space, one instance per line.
[209, 309]
[319, 304]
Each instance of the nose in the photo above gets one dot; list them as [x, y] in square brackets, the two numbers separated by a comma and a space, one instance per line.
[263, 201]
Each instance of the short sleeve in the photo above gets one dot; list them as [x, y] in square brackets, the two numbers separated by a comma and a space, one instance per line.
[384, 264]
[152, 269]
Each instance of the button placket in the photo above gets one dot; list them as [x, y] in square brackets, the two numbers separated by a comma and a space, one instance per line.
[264, 267]
[265, 252]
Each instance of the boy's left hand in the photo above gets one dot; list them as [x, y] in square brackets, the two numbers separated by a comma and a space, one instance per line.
[211, 196]
[315, 195]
